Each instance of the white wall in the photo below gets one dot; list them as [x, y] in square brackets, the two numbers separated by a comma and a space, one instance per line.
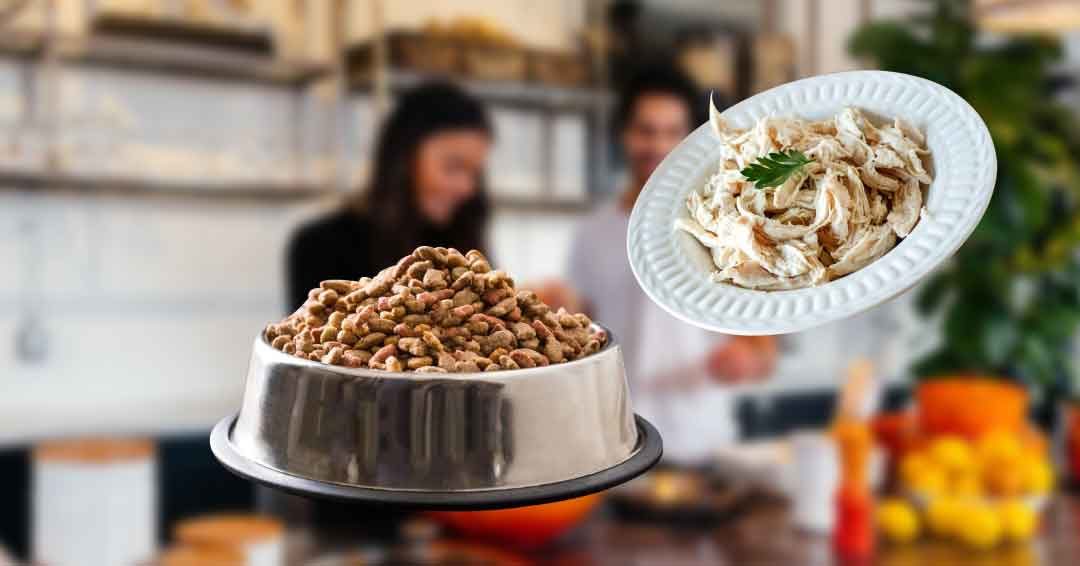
[532, 247]
[143, 309]
[164, 127]
[896, 9]
[836, 20]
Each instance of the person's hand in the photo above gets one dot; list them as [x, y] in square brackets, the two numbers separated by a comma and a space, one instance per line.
[742, 358]
[557, 294]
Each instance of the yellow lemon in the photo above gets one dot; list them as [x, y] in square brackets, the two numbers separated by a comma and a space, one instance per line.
[1038, 477]
[943, 514]
[1018, 520]
[931, 483]
[967, 485]
[912, 467]
[998, 448]
[897, 520]
[952, 453]
[1006, 481]
[1033, 443]
[978, 526]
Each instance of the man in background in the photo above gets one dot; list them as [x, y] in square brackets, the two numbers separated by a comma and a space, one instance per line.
[677, 372]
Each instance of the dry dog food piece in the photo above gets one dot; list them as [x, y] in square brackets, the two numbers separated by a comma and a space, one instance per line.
[434, 311]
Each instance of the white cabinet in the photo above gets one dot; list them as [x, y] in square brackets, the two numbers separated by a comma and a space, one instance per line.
[532, 246]
[358, 139]
[145, 309]
[516, 166]
[570, 151]
[213, 134]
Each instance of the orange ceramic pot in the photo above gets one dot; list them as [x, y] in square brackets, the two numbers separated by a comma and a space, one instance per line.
[524, 528]
[970, 406]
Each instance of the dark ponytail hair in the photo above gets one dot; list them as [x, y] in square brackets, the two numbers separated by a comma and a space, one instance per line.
[389, 203]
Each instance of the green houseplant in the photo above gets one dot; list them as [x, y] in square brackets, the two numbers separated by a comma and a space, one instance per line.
[1009, 302]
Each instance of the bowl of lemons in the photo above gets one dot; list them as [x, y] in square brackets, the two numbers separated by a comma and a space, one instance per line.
[981, 493]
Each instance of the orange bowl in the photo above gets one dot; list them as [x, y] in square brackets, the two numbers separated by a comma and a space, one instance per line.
[970, 406]
[525, 528]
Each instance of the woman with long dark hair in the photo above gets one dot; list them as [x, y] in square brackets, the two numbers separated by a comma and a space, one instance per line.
[427, 188]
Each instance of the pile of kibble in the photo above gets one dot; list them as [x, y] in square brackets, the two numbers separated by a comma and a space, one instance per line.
[436, 310]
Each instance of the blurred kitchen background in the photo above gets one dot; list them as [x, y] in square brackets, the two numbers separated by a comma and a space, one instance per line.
[156, 155]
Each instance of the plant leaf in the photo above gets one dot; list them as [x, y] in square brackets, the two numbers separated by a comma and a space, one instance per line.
[933, 294]
[775, 168]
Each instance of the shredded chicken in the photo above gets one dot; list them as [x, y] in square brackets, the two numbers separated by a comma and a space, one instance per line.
[848, 207]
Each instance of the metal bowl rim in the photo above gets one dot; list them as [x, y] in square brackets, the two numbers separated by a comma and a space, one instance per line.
[646, 454]
[506, 374]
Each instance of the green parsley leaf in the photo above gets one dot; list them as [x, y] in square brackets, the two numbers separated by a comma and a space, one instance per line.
[775, 168]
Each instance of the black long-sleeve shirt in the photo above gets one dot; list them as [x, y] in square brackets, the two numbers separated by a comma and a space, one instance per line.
[347, 245]
[332, 247]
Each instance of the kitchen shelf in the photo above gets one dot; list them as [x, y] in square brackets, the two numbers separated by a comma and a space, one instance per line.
[178, 46]
[170, 46]
[237, 38]
[237, 59]
[21, 43]
[266, 192]
[510, 93]
[151, 55]
[555, 206]
[73, 184]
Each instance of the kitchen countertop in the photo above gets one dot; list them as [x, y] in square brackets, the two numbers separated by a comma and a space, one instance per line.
[763, 535]
[759, 535]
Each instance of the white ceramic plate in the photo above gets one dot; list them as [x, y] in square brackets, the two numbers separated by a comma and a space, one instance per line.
[673, 268]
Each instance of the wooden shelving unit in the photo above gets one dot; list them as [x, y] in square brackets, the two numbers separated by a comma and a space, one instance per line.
[178, 46]
[154, 56]
[106, 186]
[250, 38]
[544, 205]
[235, 192]
[21, 43]
[592, 104]
[519, 94]
[200, 50]
[247, 55]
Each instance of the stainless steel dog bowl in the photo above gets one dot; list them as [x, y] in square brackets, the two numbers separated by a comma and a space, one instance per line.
[481, 440]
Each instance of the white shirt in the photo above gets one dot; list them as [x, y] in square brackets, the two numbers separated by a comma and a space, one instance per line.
[664, 356]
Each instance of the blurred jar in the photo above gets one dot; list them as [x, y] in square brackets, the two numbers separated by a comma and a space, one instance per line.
[227, 540]
[817, 475]
[94, 502]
